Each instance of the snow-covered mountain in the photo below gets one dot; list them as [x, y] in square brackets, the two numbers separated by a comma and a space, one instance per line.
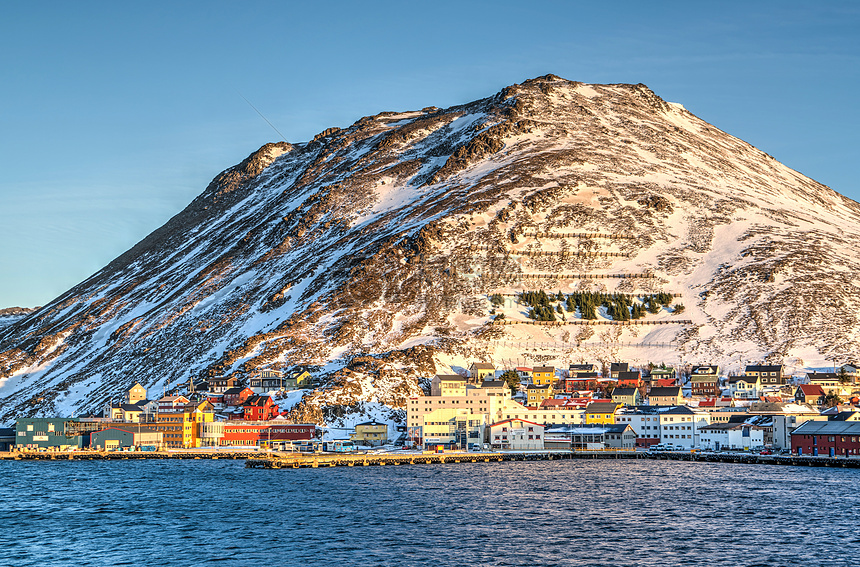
[370, 252]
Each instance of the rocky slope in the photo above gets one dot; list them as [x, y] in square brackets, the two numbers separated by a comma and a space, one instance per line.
[369, 254]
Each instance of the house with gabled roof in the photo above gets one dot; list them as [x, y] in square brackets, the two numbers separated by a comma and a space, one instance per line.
[480, 371]
[665, 396]
[812, 394]
[543, 375]
[601, 412]
[744, 387]
[259, 408]
[616, 367]
[631, 379]
[448, 385]
[627, 396]
[773, 374]
[705, 380]
[575, 369]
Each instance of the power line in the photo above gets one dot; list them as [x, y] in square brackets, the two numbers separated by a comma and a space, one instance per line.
[284, 138]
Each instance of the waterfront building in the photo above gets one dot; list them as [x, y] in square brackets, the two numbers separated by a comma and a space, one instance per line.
[680, 425]
[490, 399]
[832, 438]
[590, 437]
[275, 434]
[370, 433]
[645, 422]
[739, 436]
[7, 438]
[450, 428]
[114, 438]
[785, 417]
[181, 425]
[47, 433]
[517, 435]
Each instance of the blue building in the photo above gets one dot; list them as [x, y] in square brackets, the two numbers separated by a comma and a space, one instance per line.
[48, 433]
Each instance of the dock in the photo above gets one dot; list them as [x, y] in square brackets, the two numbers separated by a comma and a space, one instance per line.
[305, 460]
[176, 454]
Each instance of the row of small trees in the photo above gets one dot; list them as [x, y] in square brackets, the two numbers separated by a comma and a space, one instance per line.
[619, 306]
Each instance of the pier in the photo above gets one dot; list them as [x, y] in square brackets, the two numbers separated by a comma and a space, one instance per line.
[306, 460]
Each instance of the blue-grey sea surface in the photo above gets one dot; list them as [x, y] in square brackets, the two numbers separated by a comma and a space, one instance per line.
[577, 512]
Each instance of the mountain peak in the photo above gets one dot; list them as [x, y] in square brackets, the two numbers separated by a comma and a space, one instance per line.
[370, 253]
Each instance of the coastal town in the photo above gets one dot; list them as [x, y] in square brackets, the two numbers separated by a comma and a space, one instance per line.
[579, 408]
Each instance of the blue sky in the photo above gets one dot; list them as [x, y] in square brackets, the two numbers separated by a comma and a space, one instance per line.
[113, 116]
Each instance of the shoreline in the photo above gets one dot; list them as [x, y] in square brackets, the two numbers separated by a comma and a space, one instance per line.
[280, 460]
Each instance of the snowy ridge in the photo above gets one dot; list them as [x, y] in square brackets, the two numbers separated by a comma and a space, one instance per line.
[369, 253]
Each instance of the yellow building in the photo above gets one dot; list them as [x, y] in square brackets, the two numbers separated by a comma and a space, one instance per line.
[370, 433]
[543, 375]
[136, 393]
[480, 371]
[536, 394]
[601, 412]
[181, 426]
[454, 428]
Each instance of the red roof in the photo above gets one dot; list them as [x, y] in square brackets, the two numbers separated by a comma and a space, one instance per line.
[664, 383]
[811, 390]
[709, 403]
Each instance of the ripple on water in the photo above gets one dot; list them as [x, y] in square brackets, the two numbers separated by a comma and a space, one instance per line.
[502, 514]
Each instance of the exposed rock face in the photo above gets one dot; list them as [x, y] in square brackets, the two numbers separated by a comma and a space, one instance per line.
[369, 253]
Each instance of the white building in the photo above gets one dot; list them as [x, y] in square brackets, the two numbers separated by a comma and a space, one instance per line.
[646, 425]
[740, 436]
[680, 426]
[517, 435]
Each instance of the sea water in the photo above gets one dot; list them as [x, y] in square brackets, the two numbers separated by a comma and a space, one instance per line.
[578, 512]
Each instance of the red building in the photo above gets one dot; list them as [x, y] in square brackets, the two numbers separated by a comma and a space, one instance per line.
[236, 396]
[578, 382]
[827, 438]
[255, 434]
[630, 379]
[260, 408]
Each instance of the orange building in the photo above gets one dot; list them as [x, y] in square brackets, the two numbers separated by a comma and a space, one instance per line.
[180, 426]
